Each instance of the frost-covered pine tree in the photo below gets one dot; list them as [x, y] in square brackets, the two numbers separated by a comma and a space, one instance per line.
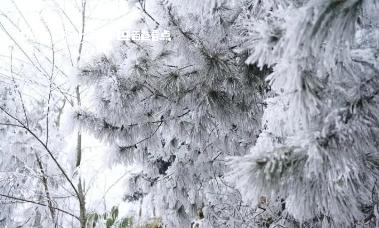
[317, 155]
[178, 108]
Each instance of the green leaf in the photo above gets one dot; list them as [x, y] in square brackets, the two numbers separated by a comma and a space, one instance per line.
[109, 222]
[114, 212]
[92, 220]
[126, 223]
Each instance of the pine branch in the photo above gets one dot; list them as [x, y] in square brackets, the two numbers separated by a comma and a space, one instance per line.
[143, 9]
[196, 42]
[142, 140]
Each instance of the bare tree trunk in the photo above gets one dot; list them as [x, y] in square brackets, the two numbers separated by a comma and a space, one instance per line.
[81, 190]
[81, 186]
[82, 205]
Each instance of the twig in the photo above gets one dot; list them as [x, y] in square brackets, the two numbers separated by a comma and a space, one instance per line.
[67, 45]
[12, 125]
[23, 17]
[45, 185]
[60, 111]
[66, 16]
[18, 91]
[41, 204]
[19, 47]
[50, 81]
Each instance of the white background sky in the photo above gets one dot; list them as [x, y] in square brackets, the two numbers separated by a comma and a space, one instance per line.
[105, 18]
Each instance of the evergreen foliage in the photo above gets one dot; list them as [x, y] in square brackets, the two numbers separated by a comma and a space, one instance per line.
[252, 113]
[179, 108]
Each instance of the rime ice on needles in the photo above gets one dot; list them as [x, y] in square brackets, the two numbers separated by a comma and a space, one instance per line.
[179, 108]
[318, 149]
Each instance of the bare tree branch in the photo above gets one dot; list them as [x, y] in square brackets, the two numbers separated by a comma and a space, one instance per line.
[41, 204]
[46, 188]
[11, 125]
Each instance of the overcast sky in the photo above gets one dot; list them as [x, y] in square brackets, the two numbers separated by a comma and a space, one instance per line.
[105, 19]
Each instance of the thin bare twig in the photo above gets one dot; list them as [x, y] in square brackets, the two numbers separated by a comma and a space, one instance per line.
[23, 17]
[41, 204]
[11, 125]
[67, 45]
[18, 91]
[50, 81]
[66, 16]
[19, 47]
